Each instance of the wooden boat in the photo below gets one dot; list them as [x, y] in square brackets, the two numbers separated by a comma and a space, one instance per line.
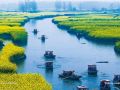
[102, 62]
[35, 31]
[49, 65]
[105, 85]
[69, 75]
[92, 70]
[82, 88]
[66, 74]
[116, 80]
[43, 38]
[79, 35]
[49, 55]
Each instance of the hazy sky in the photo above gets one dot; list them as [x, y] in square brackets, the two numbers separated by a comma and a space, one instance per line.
[61, 0]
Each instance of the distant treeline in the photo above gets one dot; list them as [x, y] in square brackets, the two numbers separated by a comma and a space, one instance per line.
[58, 5]
[28, 6]
[32, 6]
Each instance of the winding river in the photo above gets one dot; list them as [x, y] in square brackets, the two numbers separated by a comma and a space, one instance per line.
[72, 54]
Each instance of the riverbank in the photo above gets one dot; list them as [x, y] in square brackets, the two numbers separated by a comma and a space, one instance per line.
[74, 54]
[9, 77]
[99, 28]
[11, 24]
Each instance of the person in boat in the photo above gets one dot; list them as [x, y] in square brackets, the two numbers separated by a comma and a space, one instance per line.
[105, 85]
[92, 70]
[82, 88]
[49, 54]
[116, 80]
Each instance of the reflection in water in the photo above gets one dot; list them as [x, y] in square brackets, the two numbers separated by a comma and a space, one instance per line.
[43, 41]
[49, 73]
[71, 54]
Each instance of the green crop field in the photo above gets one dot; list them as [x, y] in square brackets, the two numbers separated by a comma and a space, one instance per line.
[98, 27]
[11, 28]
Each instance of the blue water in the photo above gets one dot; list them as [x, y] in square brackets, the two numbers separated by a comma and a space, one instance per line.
[71, 53]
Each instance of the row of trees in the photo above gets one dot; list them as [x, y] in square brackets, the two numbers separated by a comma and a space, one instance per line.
[64, 6]
[28, 6]
[31, 6]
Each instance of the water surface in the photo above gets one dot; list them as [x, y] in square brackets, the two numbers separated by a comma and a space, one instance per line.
[71, 53]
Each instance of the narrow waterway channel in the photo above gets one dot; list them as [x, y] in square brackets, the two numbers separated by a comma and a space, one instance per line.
[72, 54]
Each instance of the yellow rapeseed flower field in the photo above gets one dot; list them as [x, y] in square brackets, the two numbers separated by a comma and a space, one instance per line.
[8, 51]
[11, 24]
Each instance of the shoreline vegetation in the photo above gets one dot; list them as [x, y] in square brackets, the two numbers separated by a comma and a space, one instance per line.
[117, 47]
[96, 27]
[9, 77]
[9, 50]
[11, 24]
[100, 28]
[11, 28]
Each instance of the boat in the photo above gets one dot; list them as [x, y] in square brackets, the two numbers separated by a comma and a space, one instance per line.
[83, 43]
[69, 75]
[49, 65]
[116, 80]
[105, 85]
[49, 55]
[79, 35]
[43, 38]
[82, 88]
[102, 62]
[92, 70]
[35, 31]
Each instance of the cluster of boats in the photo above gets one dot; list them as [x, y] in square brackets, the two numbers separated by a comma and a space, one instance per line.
[43, 37]
[105, 84]
[92, 70]
[70, 75]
